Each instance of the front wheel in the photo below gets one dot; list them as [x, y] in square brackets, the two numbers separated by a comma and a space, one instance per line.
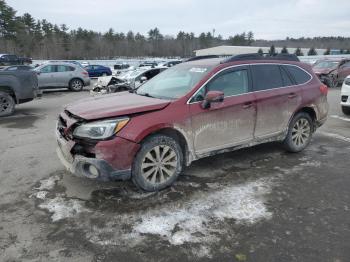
[7, 104]
[299, 133]
[158, 163]
[346, 110]
[76, 85]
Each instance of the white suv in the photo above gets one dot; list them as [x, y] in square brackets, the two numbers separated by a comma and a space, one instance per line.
[345, 96]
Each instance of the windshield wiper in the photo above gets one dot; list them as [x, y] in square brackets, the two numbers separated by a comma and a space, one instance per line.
[145, 94]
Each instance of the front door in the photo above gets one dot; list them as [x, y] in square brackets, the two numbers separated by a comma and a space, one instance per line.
[46, 77]
[228, 123]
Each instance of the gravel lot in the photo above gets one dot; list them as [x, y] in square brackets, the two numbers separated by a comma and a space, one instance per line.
[256, 204]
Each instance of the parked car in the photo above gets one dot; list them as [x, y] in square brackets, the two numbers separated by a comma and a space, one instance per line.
[345, 96]
[17, 67]
[136, 78]
[66, 61]
[171, 63]
[190, 111]
[333, 71]
[120, 68]
[148, 64]
[17, 87]
[98, 70]
[62, 75]
[8, 59]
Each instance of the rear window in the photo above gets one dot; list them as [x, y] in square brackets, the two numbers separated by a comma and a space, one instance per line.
[266, 77]
[299, 75]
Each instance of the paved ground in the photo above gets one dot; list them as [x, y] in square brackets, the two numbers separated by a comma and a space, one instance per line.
[257, 204]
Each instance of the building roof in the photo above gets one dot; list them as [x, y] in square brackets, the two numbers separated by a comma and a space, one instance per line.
[225, 50]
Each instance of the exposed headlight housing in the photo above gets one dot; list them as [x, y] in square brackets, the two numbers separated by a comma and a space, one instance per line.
[100, 129]
[347, 81]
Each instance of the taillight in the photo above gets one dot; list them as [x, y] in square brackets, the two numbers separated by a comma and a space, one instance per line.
[324, 89]
[85, 73]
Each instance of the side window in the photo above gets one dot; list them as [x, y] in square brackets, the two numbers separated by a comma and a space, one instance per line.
[48, 69]
[61, 68]
[230, 82]
[285, 77]
[346, 65]
[70, 68]
[299, 75]
[266, 77]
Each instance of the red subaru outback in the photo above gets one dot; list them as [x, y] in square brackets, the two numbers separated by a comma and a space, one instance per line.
[190, 111]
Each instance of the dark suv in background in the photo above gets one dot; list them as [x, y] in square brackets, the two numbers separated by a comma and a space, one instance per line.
[190, 111]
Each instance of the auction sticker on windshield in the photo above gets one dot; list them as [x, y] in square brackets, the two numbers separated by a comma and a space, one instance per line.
[198, 70]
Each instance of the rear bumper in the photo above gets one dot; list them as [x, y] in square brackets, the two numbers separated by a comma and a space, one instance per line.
[87, 81]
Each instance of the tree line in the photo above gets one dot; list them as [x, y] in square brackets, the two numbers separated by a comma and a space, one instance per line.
[40, 39]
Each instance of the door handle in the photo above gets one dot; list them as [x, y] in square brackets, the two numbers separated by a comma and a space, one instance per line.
[292, 95]
[247, 105]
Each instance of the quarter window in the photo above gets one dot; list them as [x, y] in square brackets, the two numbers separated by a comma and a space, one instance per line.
[266, 77]
[299, 75]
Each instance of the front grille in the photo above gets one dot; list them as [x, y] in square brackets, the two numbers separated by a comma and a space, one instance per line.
[344, 98]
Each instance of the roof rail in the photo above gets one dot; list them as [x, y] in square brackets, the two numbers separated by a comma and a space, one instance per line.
[195, 58]
[265, 56]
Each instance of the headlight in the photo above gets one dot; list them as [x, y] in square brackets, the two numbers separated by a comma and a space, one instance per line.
[100, 129]
[347, 81]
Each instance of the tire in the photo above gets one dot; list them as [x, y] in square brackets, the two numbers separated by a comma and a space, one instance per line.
[299, 133]
[157, 164]
[76, 85]
[346, 110]
[7, 104]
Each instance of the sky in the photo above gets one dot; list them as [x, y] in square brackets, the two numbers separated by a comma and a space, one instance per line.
[268, 19]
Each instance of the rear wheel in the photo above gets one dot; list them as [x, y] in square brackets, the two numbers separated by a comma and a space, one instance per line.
[76, 85]
[7, 104]
[158, 163]
[346, 110]
[299, 133]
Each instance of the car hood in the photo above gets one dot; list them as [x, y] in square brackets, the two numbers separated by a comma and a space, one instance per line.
[113, 105]
[323, 70]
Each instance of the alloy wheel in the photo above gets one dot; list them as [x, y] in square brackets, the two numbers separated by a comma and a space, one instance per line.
[5, 104]
[301, 132]
[159, 164]
[76, 85]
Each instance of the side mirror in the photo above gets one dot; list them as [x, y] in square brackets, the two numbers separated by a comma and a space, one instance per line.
[143, 79]
[212, 97]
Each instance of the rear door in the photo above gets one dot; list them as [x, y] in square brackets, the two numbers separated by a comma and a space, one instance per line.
[63, 75]
[277, 97]
[228, 123]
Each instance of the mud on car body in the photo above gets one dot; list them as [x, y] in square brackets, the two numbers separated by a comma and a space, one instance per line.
[196, 109]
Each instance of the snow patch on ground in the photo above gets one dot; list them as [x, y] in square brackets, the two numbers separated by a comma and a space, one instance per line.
[40, 195]
[61, 208]
[48, 184]
[192, 221]
[337, 136]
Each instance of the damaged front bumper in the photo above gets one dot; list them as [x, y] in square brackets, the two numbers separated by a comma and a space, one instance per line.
[92, 168]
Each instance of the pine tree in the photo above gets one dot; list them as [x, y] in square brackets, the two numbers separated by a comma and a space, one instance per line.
[312, 51]
[298, 52]
[284, 50]
[272, 51]
[327, 52]
[260, 52]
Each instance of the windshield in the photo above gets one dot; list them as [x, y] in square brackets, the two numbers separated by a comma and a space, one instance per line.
[326, 64]
[174, 82]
